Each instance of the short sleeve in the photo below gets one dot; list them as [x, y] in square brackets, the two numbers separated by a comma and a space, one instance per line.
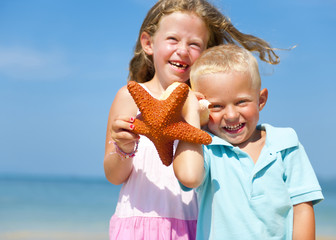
[184, 188]
[300, 177]
[207, 158]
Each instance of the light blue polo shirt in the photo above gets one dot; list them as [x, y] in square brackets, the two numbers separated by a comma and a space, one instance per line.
[242, 200]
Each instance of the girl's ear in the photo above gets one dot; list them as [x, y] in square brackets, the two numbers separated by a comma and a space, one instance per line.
[146, 43]
[263, 95]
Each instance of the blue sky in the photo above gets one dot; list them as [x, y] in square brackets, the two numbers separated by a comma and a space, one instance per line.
[62, 61]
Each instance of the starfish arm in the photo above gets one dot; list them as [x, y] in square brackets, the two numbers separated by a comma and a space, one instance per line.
[145, 102]
[185, 132]
[175, 101]
[141, 128]
[165, 150]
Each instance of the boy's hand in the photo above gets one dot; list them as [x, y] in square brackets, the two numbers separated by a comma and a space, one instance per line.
[191, 111]
[201, 106]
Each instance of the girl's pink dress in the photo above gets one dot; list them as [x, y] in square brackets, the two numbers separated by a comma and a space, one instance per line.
[151, 203]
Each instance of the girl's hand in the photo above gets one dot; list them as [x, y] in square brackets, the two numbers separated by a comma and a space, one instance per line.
[122, 135]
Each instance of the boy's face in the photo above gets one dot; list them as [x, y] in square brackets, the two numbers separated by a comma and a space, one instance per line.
[235, 105]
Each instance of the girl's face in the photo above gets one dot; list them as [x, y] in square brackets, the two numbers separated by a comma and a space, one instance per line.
[178, 42]
[235, 105]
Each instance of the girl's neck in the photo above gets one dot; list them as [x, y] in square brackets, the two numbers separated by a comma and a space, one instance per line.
[156, 87]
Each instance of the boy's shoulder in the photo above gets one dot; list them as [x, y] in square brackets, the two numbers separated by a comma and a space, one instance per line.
[280, 138]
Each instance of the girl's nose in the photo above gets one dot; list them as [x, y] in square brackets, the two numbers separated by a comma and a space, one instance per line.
[182, 50]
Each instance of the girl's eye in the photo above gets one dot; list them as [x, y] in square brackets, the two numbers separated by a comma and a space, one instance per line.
[172, 38]
[196, 45]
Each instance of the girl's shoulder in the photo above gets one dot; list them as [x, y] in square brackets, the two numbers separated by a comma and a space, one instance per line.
[123, 92]
[123, 102]
[123, 96]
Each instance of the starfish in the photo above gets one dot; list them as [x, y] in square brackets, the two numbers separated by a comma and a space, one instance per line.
[162, 120]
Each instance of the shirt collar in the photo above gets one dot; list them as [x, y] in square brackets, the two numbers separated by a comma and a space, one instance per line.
[277, 139]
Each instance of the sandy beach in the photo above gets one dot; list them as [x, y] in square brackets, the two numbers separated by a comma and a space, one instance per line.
[25, 235]
[76, 236]
[326, 238]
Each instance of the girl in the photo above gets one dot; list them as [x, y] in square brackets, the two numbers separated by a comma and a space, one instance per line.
[174, 33]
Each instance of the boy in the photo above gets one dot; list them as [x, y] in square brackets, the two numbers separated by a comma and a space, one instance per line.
[253, 181]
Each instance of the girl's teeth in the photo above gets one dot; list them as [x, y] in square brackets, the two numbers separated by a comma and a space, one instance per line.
[179, 65]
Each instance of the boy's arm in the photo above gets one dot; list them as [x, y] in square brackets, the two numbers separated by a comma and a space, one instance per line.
[188, 163]
[304, 221]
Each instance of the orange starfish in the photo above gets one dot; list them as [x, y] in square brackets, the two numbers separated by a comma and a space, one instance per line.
[162, 120]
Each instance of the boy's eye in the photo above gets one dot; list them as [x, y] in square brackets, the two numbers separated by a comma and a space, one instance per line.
[242, 102]
[215, 107]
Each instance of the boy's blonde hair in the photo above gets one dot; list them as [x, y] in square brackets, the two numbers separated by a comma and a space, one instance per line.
[221, 31]
[226, 58]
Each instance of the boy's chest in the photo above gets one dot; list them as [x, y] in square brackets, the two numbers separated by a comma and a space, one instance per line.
[236, 171]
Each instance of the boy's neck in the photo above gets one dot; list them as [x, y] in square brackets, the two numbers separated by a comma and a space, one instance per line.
[254, 145]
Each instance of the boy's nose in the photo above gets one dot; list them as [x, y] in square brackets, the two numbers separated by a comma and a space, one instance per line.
[230, 113]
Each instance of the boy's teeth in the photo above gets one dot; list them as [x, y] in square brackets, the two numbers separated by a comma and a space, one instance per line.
[234, 127]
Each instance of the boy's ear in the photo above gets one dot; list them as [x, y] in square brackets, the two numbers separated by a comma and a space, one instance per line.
[146, 43]
[263, 95]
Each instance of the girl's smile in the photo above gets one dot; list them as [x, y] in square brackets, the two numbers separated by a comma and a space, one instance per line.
[179, 66]
[176, 45]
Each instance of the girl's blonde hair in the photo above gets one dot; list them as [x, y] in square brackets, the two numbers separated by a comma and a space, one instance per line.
[221, 31]
[226, 58]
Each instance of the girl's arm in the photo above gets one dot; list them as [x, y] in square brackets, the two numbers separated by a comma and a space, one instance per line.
[304, 222]
[188, 163]
[119, 126]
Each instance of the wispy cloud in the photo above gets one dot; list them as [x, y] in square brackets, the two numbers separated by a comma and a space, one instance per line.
[22, 63]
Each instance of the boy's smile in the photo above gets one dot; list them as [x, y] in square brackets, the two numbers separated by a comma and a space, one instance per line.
[234, 129]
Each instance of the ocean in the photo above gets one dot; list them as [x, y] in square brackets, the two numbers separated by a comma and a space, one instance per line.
[55, 208]
[64, 208]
